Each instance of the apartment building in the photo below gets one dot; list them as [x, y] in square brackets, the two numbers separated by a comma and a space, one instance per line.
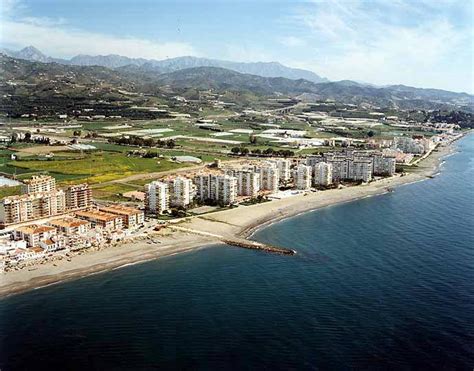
[269, 177]
[26, 207]
[38, 183]
[221, 188]
[340, 168]
[131, 217]
[78, 196]
[225, 189]
[303, 177]
[383, 165]
[283, 165]
[410, 145]
[107, 221]
[71, 226]
[181, 192]
[203, 186]
[360, 169]
[157, 197]
[248, 183]
[34, 234]
[313, 160]
[322, 174]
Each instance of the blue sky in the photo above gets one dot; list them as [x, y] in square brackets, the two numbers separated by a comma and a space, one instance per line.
[423, 43]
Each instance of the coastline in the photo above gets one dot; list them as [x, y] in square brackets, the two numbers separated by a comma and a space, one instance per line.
[242, 222]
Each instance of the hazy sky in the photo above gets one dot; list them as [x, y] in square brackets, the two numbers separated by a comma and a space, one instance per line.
[424, 43]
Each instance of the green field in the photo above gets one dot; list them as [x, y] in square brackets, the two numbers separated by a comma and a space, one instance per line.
[96, 167]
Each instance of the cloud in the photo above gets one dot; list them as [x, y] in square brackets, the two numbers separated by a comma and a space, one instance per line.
[291, 41]
[401, 41]
[55, 38]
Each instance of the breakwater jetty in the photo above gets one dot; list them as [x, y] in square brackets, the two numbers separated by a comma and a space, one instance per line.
[246, 244]
[238, 242]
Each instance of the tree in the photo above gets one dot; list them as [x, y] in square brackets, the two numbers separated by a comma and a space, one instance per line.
[253, 139]
[235, 150]
[27, 137]
[170, 143]
[268, 151]
[76, 133]
[370, 134]
[244, 151]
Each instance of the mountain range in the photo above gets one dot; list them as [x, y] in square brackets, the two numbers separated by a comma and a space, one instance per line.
[264, 69]
[59, 79]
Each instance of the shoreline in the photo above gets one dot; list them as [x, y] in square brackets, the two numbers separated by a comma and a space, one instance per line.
[242, 222]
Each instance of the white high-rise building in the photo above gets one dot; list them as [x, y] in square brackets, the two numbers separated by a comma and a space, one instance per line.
[340, 168]
[303, 177]
[269, 177]
[283, 166]
[248, 183]
[203, 187]
[157, 197]
[181, 192]
[226, 189]
[360, 169]
[383, 165]
[219, 188]
[322, 174]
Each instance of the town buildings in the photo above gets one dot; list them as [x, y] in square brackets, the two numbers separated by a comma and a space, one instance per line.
[417, 145]
[157, 197]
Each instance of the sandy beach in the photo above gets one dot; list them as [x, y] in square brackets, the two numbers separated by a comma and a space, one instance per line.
[238, 222]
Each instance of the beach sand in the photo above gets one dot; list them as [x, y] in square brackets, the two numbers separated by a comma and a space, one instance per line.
[239, 222]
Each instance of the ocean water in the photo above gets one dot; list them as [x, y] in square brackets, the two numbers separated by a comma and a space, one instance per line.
[386, 282]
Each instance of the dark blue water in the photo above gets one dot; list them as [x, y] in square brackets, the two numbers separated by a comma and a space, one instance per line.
[382, 283]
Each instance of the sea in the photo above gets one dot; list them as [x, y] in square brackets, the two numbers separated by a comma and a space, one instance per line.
[382, 283]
